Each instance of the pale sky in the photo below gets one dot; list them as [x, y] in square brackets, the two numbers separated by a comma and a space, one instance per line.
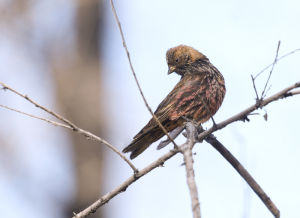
[240, 38]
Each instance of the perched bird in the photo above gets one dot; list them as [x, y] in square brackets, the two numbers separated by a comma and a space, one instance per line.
[197, 97]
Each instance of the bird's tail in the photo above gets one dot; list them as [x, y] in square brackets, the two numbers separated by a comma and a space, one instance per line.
[142, 141]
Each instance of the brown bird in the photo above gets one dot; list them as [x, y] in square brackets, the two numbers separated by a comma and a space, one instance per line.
[197, 97]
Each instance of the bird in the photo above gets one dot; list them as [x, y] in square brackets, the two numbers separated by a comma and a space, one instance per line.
[196, 97]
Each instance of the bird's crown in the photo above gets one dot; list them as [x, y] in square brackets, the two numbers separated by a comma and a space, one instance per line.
[181, 56]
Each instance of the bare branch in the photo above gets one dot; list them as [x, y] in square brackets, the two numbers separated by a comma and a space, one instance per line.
[263, 94]
[36, 117]
[278, 59]
[294, 92]
[135, 77]
[211, 139]
[121, 188]
[240, 116]
[287, 92]
[243, 114]
[186, 150]
[254, 86]
[70, 125]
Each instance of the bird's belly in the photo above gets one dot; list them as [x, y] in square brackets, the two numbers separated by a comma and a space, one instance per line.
[209, 104]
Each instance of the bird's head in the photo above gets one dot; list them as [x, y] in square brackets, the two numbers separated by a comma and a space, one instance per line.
[180, 57]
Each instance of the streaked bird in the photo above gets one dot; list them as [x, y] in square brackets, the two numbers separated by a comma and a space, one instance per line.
[197, 97]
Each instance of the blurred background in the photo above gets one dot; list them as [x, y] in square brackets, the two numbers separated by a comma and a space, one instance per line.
[68, 56]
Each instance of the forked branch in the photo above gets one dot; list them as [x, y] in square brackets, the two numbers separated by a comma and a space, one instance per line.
[287, 92]
[68, 124]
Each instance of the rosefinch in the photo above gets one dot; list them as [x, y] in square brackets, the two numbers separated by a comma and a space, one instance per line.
[197, 96]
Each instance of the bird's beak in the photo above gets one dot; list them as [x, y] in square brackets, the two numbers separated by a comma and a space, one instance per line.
[171, 69]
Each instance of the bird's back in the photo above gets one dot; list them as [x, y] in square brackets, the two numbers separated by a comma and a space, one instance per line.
[196, 97]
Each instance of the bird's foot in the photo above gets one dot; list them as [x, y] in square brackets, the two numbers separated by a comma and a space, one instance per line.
[189, 120]
[199, 130]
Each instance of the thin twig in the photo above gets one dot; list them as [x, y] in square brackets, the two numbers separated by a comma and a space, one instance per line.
[186, 150]
[278, 59]
[253, 78]
[254, 86]
[61, 118]
[211, 139]
[263, 94]
[243, 114]
[68, 123]
[134, 74]
[36, 117]
[240, 116]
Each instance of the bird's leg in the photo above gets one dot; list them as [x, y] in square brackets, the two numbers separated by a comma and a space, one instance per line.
[199, 129]
[186, 121]
[189, 120]
[198, 126]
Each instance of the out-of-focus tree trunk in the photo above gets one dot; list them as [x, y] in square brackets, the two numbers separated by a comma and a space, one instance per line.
[77, 78]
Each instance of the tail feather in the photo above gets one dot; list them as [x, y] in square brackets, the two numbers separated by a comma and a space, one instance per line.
[148, 135]
[143, 141]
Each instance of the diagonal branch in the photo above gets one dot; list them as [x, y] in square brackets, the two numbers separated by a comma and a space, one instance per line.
[243, 114]
[36, 117]
[69, 124]
[134, 74]
[278, 59]
[254, 86]
[121, 188]
[211, 139]
[297, 92]
[263, 94]
[287, 92]
[159, 162]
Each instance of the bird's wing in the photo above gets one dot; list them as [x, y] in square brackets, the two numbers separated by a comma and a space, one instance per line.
[190, 99]
[178, 102]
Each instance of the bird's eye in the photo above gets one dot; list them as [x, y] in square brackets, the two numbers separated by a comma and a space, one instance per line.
[176, 60]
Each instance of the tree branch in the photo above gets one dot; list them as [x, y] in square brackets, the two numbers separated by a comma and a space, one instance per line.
[263, 94]
[121, 188]
[278, 59]
[69, 124]
[211, 139]
[186, 150]
[36, 117]
[135, 77]
[287, 92]
[243, 114]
